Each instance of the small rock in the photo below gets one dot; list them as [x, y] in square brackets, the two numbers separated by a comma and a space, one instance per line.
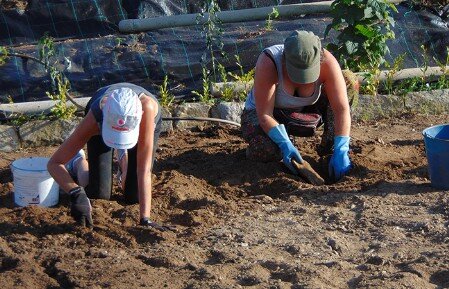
[330, 264]
[333, 244]
[375, 260]
[202, 274]
[264, 199]
[292, 249]
[249, 280]
[362, 267]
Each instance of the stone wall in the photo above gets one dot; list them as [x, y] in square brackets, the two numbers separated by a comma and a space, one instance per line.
[44, 132]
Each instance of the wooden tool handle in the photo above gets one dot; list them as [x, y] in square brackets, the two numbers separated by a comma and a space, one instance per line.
[307, 172]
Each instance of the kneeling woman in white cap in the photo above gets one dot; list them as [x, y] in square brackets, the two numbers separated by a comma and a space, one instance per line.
[122, 116]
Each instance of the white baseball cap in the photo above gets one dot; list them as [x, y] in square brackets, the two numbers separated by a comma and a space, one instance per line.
[122, 113]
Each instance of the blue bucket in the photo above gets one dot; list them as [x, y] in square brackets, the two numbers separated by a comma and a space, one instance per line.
[436, 140]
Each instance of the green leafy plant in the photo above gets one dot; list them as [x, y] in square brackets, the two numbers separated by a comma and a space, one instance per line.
[425, 66]
[227, 91]
[418, 83]
[204, 95]
[18, 118]
[60, 84]
[406, 86]
[423, 82]
[222, 72]
[443, 80]
[166, 97]
[118, 41]
[372, 79]
[392, 71]
[364, 26]
[47, 49]
[61, 109]
[274, 14]
[3, 55]
[230, 91]
[245, 77]
[212, 32]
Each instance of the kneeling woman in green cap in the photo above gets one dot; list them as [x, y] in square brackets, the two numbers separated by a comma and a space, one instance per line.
[298, 86]
[124, 117]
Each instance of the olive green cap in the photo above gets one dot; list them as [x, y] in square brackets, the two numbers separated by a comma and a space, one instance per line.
[302, 50]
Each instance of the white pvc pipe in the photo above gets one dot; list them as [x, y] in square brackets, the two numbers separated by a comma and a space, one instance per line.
[139, 25]
[253, 14]
[37, 107]
[431, 74]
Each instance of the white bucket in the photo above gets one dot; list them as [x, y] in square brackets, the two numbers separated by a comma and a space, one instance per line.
[33, 185]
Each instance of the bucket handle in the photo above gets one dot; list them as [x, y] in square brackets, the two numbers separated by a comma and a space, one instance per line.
[425, 134]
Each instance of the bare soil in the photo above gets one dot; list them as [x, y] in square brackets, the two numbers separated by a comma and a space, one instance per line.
[245, 224]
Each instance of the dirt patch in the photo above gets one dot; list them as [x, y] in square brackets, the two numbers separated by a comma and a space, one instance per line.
[243, 223]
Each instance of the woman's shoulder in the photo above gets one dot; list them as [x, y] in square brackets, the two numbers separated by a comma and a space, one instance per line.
[328, 58]
[329, 64]
[149, 101]
[274, 51]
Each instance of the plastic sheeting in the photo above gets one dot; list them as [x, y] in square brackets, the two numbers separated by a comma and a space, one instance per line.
[26, 22]
[95, 54]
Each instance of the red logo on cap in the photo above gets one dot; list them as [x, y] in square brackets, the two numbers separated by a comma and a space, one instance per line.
[120, 122]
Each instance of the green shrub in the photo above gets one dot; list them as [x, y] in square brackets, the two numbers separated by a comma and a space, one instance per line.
[166, 98]
[364, 26]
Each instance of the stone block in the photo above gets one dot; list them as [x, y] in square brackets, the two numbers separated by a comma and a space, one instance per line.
[9, 139]
[46, 132]
[190, 110]
[167, 125]
[228, 110]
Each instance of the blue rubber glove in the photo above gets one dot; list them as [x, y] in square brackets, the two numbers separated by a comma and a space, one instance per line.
[279, 135]
[340, 164]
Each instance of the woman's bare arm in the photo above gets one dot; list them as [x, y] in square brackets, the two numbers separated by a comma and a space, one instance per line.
[145, 154]
[335, 88]
[265, 81]
[56, 165]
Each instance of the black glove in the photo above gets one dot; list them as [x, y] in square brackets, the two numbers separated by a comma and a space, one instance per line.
[163, 228]
[80, 207]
